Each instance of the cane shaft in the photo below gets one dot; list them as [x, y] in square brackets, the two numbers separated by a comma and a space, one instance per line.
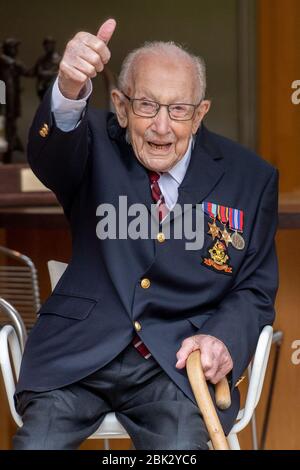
[204, 401]
[222, 393]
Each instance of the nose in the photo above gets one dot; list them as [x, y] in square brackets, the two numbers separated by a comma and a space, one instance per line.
[161, 122]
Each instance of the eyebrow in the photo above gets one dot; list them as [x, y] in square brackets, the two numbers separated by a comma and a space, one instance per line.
[149, 96]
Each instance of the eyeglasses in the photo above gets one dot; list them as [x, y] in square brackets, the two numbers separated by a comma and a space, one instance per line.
[149, 109]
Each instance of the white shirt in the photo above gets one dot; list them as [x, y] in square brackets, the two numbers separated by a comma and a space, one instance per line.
[171, 180]
[68, 114]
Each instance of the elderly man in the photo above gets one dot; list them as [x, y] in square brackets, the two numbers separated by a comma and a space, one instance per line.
[120, 324]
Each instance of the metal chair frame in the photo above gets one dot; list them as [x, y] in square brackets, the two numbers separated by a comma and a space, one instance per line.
[19, 286]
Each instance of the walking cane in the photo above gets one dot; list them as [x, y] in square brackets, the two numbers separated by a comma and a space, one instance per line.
[204, 401]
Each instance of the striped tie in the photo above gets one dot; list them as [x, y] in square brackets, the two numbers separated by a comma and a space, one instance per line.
[141, 347]
[157, 196]
[162, 211]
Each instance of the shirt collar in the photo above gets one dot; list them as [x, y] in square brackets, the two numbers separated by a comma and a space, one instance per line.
[179, 170]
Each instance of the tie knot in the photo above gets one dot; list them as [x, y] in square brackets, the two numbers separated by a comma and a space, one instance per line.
[153, 176]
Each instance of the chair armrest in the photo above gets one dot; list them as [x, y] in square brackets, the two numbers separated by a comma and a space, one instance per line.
[258, 371]
[9, 342]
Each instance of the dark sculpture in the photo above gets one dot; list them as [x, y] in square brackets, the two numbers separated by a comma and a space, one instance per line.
[44, 70]
[46, 67]
[11, 69]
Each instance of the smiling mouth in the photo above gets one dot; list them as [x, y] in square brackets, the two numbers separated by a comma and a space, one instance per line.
[160, 146]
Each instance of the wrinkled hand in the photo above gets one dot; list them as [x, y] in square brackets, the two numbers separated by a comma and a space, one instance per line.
[85, 56]
[215, 358]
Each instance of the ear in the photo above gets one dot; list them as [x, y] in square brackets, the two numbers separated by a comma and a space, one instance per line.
[201, 111]
[120, 106]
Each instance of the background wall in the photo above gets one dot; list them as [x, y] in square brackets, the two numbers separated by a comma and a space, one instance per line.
[278, 66]
[278, 124]
[206, 28]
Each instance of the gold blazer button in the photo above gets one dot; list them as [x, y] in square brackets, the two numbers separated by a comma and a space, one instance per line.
[145, 283]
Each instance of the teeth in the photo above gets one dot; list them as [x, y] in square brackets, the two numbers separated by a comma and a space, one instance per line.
[162, 146]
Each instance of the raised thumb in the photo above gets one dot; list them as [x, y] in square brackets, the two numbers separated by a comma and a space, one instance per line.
[106, 30]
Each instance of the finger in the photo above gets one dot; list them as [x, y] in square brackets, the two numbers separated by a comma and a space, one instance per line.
[213, 360]
[211, 373]
[85, 67]
[72, 73]
[209, 363]
[207, 359]
[223, 370]
[106, 30]
[92, 58]
[97, 46]
[219, 375]
[105, 55]
[183, 353]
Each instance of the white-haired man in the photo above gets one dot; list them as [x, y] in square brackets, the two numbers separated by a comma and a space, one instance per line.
[119, 326]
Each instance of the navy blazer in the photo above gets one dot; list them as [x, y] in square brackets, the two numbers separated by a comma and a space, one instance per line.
[89, 318]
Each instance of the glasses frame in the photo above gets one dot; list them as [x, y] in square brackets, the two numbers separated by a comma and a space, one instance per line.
[131, 100]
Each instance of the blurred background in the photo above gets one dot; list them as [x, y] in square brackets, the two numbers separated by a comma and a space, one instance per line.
[252, 52]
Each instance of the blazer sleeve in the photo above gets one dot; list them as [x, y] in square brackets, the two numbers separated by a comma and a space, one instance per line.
[249, 305]
[58, 158]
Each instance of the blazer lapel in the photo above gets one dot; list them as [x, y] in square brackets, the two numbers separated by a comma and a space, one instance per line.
[205, 170]
[138, 175]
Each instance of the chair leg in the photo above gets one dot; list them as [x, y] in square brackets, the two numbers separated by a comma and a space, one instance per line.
[106, 444]
[254, 432]
[233, 442]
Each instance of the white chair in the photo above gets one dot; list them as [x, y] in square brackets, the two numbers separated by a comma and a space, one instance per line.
[110, 427]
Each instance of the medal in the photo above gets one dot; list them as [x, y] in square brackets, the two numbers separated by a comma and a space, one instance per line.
[213, 230]
[219, 258]
[211, 210]
[236, 223]
[226, 215]
[223, 218]
[237, 241]
[226, 236]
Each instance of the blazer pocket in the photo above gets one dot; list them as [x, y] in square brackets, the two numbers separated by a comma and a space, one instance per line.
[77, 308]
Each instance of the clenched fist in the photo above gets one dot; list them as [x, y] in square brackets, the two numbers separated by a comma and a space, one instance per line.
[84, 57]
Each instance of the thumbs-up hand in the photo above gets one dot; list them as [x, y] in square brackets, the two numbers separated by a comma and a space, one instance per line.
[85, 56]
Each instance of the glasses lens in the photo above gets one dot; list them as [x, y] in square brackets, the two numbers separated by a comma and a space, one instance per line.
[144, 107]
[181, 111]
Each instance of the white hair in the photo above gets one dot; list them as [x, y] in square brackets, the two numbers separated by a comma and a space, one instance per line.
[168, 49]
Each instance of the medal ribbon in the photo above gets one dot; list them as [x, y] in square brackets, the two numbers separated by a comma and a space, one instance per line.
[223, 214]
[210, 209]
[235, 217]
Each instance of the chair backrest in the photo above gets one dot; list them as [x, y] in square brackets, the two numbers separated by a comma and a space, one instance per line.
[56, 270]
[19, 285]
[13, 317]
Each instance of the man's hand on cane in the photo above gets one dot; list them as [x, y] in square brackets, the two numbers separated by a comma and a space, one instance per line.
[215, 358]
